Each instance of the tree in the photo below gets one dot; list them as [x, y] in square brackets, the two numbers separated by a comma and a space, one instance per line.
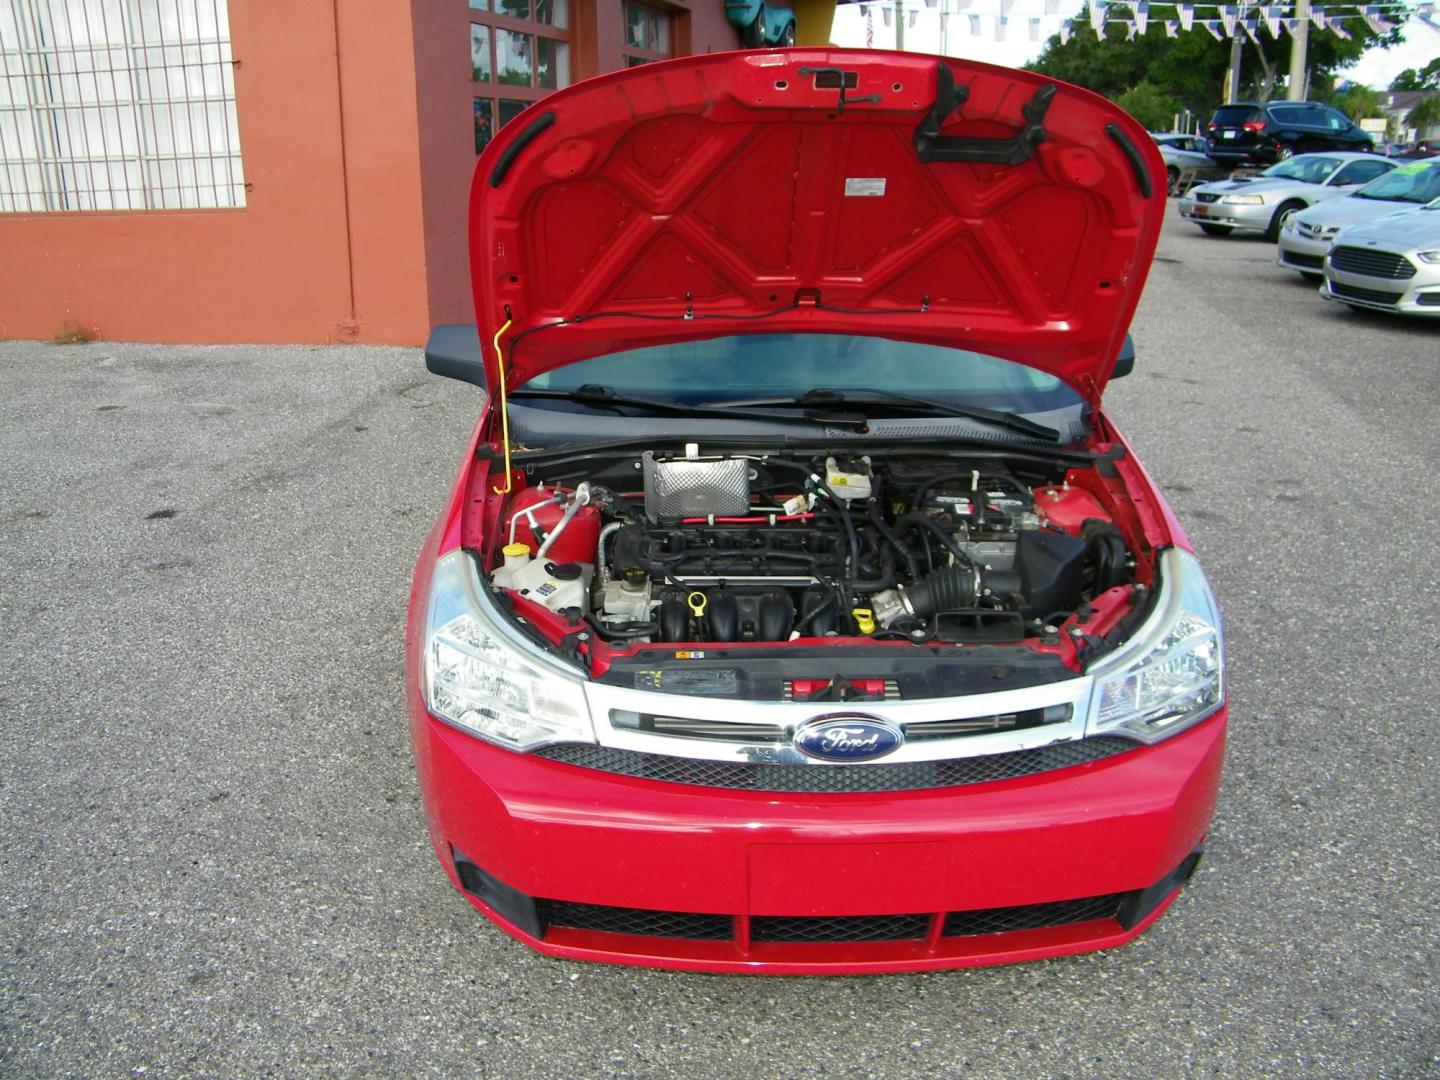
[1427, 78]
[1358, 102]
[1424, 115]
[1150, 105]
[1190, 69]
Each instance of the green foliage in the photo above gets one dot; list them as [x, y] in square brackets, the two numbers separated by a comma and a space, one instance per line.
[1190, 69]
[1427, 78]
[1150, 105]
[1358, 102]
[1425, 115]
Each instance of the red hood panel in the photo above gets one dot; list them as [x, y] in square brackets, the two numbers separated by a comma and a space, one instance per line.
[728, 193]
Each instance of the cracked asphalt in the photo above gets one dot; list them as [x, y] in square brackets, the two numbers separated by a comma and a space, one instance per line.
[212, 855]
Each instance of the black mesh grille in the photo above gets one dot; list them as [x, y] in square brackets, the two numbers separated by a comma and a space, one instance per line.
[838, 927]
[1031, 916]
[1381, 264]
[837, 779]
[623, 920]
[1428, 300]
[1299, 258]
[1207, 196]
[1369, 296]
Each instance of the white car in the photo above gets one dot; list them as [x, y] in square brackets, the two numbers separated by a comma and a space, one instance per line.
[1185, 154]
[1262, 203]
[1392, 264]
[1306, 236]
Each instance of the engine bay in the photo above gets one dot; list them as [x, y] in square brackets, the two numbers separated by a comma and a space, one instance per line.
[677, 547]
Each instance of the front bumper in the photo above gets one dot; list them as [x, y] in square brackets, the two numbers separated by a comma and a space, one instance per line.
[1419, 295]
[1296, 252]
[592, 865]
[1256, 218]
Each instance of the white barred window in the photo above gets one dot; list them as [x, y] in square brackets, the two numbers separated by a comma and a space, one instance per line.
[117, 105]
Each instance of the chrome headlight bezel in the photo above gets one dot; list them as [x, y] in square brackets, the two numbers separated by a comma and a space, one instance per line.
[1171, 675]
[480, 676]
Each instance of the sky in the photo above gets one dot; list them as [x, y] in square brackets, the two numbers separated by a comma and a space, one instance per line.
[1376, 68]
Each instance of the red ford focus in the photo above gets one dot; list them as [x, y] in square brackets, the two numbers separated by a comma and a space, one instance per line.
[797, 608]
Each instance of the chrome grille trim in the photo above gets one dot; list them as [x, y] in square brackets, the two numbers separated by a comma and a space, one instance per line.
[747, 719]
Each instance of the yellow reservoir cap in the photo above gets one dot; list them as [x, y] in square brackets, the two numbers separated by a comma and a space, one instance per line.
[515, 550]
[864, 619]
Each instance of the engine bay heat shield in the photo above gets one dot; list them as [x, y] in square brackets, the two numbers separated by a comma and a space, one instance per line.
[694, 488]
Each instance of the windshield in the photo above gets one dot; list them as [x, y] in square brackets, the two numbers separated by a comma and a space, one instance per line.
[786, 365]
[1418, 183]
[1307, 168]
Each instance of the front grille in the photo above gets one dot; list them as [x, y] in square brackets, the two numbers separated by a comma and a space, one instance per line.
[1380, 264]
[1369, 296]
[826, 928]
[1428, 299]
[1207, 196]
[624, 920]
[838, 927]
[1310, 262]
[1031, 916]
[837, 779]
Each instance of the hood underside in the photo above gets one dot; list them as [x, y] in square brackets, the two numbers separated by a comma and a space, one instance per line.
[821, 190]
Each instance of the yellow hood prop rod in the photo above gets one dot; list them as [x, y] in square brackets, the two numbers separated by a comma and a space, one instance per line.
[504, 407]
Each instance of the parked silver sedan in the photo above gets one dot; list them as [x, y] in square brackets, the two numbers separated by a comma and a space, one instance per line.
[1306, 236]
[1392, 264]
[1262, 203]
[1185, 159]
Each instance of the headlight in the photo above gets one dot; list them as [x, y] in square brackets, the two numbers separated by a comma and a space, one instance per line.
[478, 679]
[1429, 256]
[1244, 200]
[1171, 674]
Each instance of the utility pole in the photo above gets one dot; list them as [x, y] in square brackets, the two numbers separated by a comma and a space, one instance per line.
[1299, 46]
[899, 25]
[1237, 49]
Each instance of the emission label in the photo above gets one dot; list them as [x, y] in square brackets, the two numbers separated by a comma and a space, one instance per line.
[865, 185]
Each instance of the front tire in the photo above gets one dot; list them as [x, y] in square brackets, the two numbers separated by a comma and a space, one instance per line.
[1217, 230]
[1172, 181]
[1284, 152]
[1272, 231]
[1312, 276]
[787, 38]
[755, 32]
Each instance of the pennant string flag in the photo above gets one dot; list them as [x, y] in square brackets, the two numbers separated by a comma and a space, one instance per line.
[1172, 28]
[1187, 16]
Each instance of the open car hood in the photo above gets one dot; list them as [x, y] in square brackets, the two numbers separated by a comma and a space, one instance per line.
[824, 190]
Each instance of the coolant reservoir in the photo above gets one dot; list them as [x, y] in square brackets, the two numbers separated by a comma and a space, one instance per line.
[548, 583]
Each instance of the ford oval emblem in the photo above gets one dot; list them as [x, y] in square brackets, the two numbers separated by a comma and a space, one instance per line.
[847, 737]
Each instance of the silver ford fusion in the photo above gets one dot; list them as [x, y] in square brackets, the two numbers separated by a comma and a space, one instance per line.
[1392, 264]
[1262, 203]
[1306, 236]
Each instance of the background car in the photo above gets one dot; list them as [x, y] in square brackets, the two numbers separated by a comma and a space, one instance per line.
[1262, 203]
[1252, 133]
[1392, 264]
[1306, 236]
[1185, 154]
[761, 24]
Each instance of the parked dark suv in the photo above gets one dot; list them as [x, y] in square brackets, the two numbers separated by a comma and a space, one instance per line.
[1252, 133]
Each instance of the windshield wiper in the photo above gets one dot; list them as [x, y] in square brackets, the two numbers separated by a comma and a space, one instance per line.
[868, 397]
[605, 397]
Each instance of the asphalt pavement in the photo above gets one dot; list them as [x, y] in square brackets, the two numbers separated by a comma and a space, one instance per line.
[213, 860]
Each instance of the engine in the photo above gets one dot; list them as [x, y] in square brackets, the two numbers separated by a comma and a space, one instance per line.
[773, 548]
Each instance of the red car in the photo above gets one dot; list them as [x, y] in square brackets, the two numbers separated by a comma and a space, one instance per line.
[797, 608]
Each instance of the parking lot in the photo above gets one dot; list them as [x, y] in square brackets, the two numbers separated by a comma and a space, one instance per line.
[212, 856]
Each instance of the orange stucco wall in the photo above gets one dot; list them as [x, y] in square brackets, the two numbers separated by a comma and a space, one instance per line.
[355, 132]
[280, 269]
